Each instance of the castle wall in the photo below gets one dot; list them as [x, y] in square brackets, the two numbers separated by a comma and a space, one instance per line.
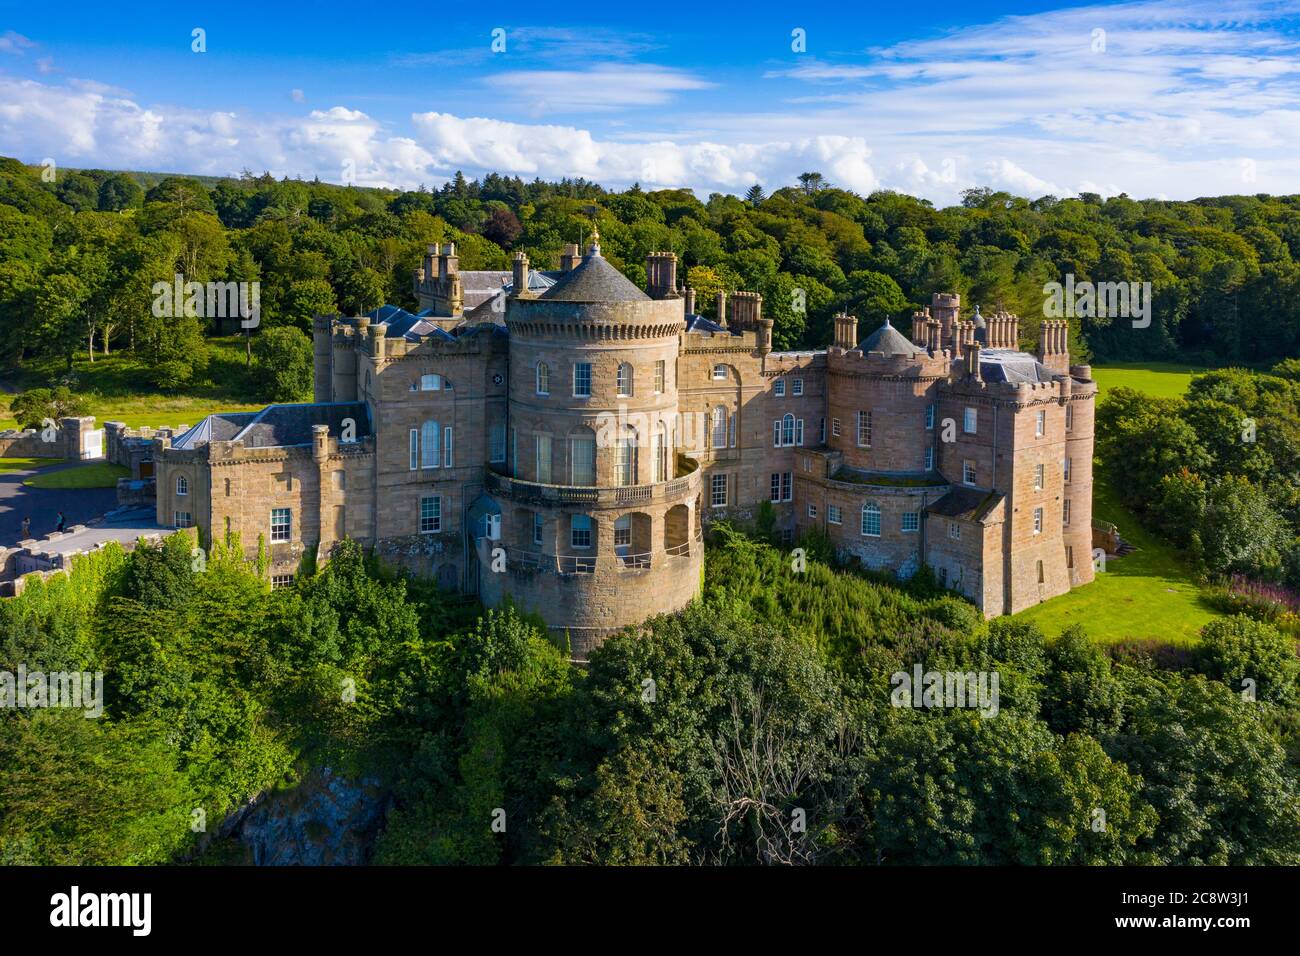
[505, 527]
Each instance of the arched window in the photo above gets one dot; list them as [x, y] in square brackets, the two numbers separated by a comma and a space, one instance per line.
[543, 379]
[430, 383]
[624, 381]
[719, 373]
[430, 435]
[871, 520]
[582, 457]
[182, 485]
[623, 536]
[719, 427]
[787, 429]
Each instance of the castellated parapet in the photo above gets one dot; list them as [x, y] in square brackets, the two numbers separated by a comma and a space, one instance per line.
[567, 447]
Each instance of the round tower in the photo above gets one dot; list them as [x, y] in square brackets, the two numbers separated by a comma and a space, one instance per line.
[599, 525]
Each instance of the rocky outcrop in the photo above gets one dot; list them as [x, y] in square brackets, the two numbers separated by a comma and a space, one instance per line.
[327, 820]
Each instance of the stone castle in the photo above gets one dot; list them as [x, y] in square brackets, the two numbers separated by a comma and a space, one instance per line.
[561, 438]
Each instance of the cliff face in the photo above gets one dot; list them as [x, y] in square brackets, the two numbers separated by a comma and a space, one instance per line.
[327, 820]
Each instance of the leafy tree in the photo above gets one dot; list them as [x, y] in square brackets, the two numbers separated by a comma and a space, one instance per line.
[35, 405]
[1216, 776]
[1080, 694]
[284, 364]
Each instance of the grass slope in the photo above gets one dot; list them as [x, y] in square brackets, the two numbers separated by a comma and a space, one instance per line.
[1150, 593]
[26, 464]
[111, 386]
[1158, 379]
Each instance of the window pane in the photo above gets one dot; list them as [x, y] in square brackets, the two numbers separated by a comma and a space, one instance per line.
[430, 435]
[582, 456]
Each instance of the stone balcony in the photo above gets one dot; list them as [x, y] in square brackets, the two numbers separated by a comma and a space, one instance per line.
[683, 486]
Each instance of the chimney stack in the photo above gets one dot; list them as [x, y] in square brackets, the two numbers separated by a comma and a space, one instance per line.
[520, 277]
[448, 261]
[973, 361]
[846, 332]
[722, 309]
[690, 301]
[570, 258]
[661, 275]
[946, 307]
[746, 311]
[919, 330]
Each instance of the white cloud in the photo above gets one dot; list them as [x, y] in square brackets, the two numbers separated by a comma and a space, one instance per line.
[1185, 96]
[555, 151]
[15, 43]
[602, 88]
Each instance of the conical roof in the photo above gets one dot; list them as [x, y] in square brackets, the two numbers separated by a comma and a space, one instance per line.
[595, 280]
[890, 341]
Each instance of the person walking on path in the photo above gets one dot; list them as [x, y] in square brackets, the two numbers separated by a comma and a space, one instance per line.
[27, 529]
[62, 522]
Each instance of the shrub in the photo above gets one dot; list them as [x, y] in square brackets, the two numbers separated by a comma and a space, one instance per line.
[1237, 649]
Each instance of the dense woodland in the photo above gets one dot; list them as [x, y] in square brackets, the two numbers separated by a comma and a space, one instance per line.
[1217, 472]
[79, 255]
[770, 703]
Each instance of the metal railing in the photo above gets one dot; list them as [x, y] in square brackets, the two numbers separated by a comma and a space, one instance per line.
[520, 559]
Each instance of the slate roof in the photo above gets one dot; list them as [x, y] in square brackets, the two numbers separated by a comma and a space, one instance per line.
[282, 425]
[698, 323]
[967, 504]
[1008, 365]
[219, 427]
[277, 426]
[400, 324]
[890, 341]
[479, 285]
[594, 280]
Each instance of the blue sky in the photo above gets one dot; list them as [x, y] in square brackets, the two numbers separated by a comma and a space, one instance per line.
[1174, 98]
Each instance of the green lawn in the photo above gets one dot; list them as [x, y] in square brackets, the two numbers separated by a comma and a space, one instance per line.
[94, 474]
[114, 388]
[1158, 379]
[1150, 593]
[23, 464]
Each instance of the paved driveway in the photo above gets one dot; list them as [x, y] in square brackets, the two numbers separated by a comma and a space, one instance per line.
[42, 505]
